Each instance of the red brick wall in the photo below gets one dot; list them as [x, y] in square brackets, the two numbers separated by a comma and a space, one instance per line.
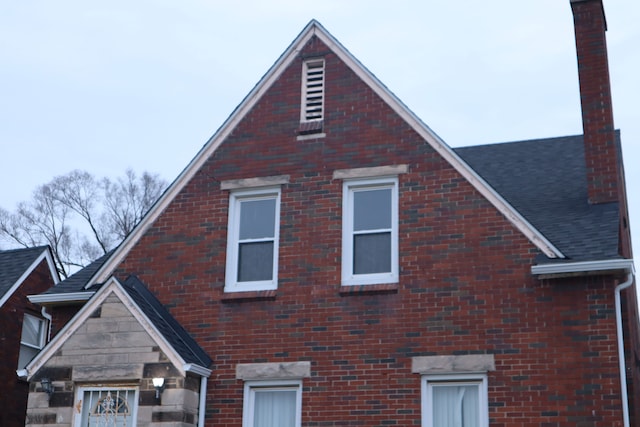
[13, 397]
[60, 316]
[465, 284]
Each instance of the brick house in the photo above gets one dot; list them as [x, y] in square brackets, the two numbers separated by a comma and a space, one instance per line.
[23, 325]
[339, 264]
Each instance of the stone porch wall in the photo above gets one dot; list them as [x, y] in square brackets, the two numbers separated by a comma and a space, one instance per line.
[112, 349]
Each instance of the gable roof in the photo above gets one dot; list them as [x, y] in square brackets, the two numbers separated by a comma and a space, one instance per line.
[179, 347]
[314, 29]
[17, 264]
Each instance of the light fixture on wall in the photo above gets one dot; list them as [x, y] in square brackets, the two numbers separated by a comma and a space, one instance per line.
[47, 387]
[158, 383]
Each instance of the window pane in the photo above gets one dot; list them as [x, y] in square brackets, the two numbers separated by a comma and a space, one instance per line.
[372, 253]
[255, 261]
[257, 218]
[275, 408]
[32, 330]
[26, 354]
[456, 406]
[372, 209]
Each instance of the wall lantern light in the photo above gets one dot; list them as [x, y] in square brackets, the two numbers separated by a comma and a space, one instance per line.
[158, 383]
[47, 387]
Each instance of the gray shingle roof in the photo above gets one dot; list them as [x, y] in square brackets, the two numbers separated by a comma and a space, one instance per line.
[172, 331]
[76, 282]
[13, 263]
[545, 180]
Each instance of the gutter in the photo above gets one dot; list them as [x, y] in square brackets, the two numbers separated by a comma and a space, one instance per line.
[600, 267]
[565, 269]
[61, 298]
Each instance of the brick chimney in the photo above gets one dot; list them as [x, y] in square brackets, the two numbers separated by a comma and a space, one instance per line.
[601, 147]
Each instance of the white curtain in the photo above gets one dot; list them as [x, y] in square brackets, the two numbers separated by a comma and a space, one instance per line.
[274, 408]
[455, 406]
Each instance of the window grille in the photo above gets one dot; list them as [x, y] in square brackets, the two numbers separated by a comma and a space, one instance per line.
[108, 408]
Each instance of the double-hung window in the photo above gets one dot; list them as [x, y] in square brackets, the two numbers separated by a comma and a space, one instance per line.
[370, 231]
[32, 339]
[455, 401]
[252, 249]
[272, 404]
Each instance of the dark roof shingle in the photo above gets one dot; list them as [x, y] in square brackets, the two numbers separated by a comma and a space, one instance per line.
[165, 323]
[13, 264]
[77, 281]
[545, 181]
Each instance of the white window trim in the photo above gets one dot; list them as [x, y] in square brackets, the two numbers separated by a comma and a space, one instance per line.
[41, 339]
[348, 277]
[77, 422]
[457, 379]
[249, 396]
[305, 78]
[231, 276]
[43, 331]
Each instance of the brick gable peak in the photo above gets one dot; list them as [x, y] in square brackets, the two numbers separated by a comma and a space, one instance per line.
[315, 29]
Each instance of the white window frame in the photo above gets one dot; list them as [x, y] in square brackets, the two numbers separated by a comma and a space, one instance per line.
[428, 382]
[349, 278]
[249, 398]
[41, 337]
[233, 242]
[304, 109]
[97, 389]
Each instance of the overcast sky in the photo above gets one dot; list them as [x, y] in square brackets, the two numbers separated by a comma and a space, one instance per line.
[103, 86]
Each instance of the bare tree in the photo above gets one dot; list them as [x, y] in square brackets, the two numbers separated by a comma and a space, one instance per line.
[81, 217]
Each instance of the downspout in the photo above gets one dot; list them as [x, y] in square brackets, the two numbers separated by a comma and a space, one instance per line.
[203, 400]
[621, 361]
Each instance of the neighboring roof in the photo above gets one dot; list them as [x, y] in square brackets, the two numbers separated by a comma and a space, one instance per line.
[181, 350]
[545, 180]
[164, 322]
[77, 281]
[17, 264]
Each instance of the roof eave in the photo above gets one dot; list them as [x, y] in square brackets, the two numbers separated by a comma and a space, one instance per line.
[583, 268]
[197, 369]
[62, 298]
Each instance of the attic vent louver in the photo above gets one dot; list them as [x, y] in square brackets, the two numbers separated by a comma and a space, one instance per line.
[313, 90]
